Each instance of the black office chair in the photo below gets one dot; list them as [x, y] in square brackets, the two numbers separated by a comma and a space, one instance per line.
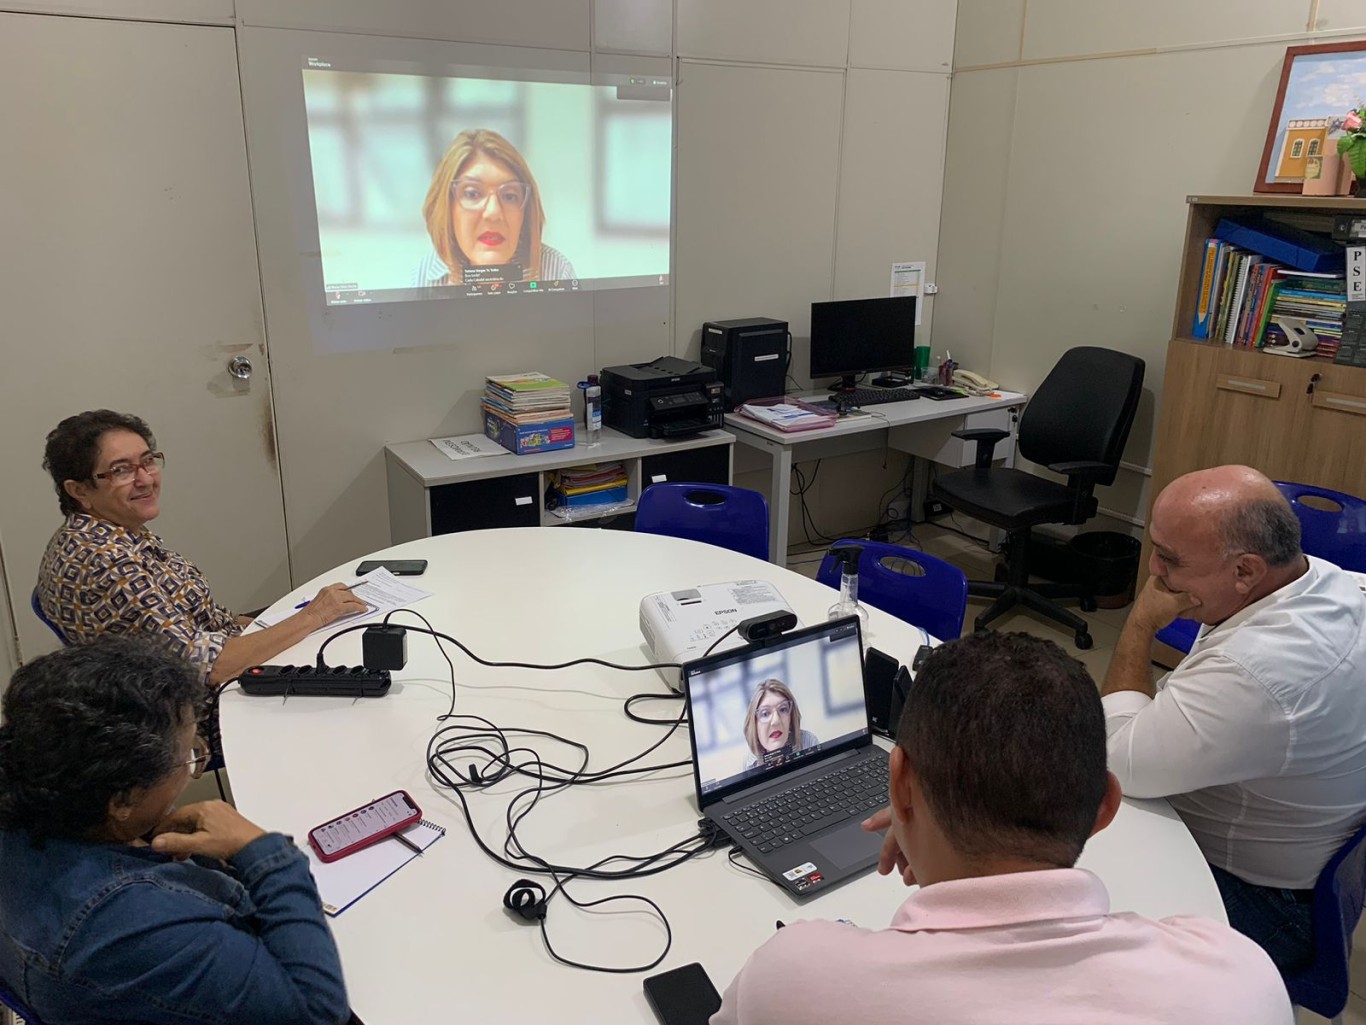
[1076, 425]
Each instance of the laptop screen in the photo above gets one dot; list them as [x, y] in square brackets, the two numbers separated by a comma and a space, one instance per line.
[762, 711]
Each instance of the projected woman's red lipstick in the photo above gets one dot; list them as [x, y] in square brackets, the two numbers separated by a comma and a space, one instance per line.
[492, 239]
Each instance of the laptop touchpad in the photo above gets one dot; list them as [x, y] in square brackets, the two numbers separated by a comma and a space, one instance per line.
[849, 846]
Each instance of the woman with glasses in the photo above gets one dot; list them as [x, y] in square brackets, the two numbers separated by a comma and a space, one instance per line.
[773, 726]
[105, 572]
[114, 905]
[483, 209]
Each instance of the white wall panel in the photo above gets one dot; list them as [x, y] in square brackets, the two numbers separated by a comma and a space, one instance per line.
[891, 180]
[988, 32]
[1336, 15]
[555, 24]
[973, 209]
[633, 26]
[758, 158]
[814, 32]
[895, 34]
[189, 11]
[1065, 28]
[1092, 233]
[337, 410]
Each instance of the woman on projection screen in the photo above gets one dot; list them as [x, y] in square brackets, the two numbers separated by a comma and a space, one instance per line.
[483, 210]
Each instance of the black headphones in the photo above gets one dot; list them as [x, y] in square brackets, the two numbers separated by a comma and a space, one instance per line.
[526, 898]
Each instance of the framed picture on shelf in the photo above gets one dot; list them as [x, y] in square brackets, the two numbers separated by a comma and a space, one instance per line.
[1319, 86]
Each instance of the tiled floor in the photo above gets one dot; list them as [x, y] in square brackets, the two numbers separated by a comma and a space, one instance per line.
[1105, 624]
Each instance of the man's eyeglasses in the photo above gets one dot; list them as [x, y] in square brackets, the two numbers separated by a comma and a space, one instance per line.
[199, 759]
[123, 473]
[473, 195]
[767, 712]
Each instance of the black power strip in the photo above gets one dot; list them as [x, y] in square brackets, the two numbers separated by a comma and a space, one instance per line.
[310, 681]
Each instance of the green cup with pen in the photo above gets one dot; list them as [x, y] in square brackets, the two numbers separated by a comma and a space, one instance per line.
[921, 371]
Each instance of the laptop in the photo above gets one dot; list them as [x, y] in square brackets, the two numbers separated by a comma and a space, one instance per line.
[783, 754]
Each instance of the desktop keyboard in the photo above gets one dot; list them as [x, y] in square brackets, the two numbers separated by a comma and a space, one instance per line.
[809, 807]
[874, 396]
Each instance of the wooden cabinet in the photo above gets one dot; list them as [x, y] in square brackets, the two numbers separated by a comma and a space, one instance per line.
[1294, 419]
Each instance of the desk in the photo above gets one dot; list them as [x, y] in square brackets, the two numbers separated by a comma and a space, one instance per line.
[433, 941]
[430, 493]
[922, 427]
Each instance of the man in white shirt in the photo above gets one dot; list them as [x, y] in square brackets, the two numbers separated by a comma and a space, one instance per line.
[1258, 737]
[996, 781]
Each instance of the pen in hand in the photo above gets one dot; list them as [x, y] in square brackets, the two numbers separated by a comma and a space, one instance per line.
[307, 601]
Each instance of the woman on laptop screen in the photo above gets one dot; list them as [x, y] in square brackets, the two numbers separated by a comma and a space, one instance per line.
[484, 215]
[773, 726]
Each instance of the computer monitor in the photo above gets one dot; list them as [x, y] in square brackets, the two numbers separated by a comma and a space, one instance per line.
[860, 336]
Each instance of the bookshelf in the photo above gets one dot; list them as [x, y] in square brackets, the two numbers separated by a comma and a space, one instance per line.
[1294, 419]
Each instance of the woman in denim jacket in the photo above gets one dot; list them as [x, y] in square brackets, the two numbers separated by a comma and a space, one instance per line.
[214, 920]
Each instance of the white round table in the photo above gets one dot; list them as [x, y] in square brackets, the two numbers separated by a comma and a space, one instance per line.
[433, 941]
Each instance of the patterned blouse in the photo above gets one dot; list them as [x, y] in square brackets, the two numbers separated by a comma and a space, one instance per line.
[97, 576]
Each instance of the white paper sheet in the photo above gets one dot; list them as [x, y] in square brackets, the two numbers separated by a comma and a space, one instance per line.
[380, 590]
[468, 446]
[909, 279]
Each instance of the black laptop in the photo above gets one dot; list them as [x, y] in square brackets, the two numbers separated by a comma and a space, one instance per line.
[783, 754]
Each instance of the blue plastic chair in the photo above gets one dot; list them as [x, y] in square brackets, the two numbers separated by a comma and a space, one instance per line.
[13, 1003]
[38, 611]
[1322, 987]
[1338, 535]
[715, 514]
[915, 587]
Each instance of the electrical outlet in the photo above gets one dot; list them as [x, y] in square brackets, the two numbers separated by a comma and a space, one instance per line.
[934, 507]
[898, 508]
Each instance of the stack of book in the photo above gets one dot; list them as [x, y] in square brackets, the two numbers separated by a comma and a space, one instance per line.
[1320, 300]
[1242, 292]
[594, 485]
[528, 412]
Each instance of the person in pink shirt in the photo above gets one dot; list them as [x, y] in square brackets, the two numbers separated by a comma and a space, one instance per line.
[997, 780]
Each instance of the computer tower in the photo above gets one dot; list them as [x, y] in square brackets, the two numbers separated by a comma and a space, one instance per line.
[751, 355]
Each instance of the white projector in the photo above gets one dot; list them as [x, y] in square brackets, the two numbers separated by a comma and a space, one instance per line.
[680, 626]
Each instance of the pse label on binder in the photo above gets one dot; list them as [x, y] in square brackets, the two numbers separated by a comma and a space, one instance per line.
[1356, 274]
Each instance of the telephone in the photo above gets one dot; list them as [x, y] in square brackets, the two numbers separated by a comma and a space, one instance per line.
[976, 384]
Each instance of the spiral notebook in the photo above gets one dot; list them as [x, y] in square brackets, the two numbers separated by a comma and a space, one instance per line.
[343, 882]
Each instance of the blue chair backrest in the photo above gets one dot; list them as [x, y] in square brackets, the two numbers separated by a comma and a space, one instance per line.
[715, 514]
[1337, 533]
[1322, 987]
[38, 611]
[8, 999]
[918, 588]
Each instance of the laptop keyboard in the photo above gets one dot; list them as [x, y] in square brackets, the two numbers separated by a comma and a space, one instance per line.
[809, 807]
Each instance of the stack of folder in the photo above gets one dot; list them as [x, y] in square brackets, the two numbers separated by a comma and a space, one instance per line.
[528, 413]
[594, 484]
[527, 398]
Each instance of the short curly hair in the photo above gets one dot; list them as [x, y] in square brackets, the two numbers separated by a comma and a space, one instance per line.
[86, 724]
[73, 447]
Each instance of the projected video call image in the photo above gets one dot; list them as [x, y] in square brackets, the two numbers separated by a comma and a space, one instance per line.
[770, 711]
[478, 185]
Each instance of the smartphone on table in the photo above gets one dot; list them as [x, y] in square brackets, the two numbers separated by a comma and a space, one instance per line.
[368, 824]
[683, 996]
[398, 567]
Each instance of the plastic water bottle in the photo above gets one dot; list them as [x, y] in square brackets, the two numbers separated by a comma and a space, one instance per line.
[848, 605]
[592, 410]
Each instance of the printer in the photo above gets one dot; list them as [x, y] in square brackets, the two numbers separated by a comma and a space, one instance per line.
[665, 398]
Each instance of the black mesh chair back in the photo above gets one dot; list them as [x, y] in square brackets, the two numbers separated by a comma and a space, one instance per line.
[1083, 409]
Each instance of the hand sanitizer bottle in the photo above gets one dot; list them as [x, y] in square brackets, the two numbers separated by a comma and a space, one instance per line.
[848, 605]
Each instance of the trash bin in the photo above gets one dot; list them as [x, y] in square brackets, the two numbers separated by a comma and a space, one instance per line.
[1107, 561]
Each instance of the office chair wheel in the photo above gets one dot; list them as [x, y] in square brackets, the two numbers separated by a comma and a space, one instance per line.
[1083, 640]
[1087, 604]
